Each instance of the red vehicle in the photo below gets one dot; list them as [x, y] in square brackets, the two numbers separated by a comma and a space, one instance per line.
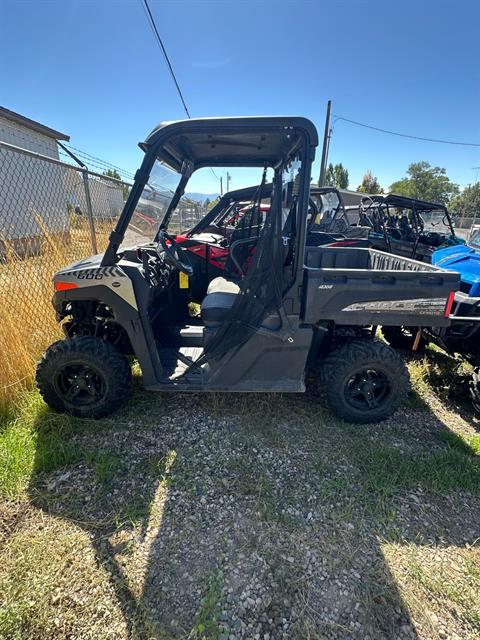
[225, 239]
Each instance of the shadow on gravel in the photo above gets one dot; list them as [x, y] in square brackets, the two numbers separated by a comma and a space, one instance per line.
[259, 516]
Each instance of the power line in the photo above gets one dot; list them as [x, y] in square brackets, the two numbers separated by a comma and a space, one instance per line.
[405, 135]
[153, 26]
[95, 161]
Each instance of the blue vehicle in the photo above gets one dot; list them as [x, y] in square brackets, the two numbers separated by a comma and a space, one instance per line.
[462, 337]
[465, 259]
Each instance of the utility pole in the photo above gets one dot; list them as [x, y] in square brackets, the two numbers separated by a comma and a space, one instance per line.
[326, 143]
[221, 185]
[228, 181]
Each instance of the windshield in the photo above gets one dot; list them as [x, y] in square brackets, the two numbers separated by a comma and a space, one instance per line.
[152, 206]
[437, 221]
[474, 240]
[331, 216]
[406, 222]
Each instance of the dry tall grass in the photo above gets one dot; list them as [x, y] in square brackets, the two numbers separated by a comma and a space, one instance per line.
[27, 319]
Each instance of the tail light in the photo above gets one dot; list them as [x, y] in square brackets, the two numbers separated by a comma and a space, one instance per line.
[448, 306]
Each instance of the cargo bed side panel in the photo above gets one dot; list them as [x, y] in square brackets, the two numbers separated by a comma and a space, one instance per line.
[364, 286]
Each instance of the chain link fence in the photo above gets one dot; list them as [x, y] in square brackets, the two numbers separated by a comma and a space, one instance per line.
[52, 213]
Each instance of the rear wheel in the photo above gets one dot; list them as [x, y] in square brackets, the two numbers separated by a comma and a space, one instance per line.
[474, 388]
[403, 338]
[86, 377]
[363, 381]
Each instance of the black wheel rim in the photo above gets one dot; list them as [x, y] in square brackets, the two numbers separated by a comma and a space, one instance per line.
[80, 385]
[368, 390]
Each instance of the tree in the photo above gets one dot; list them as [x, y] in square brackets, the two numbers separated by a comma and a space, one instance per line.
[426, 183]
[467, 203]
[370, 184]
[206, 204]
[211, 203]
[336, 176]
[113, 173]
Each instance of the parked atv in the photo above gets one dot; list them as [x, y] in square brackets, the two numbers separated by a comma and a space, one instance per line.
[298, 308]
[407, 226]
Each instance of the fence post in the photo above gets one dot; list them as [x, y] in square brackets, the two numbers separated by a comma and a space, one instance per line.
[88, 200]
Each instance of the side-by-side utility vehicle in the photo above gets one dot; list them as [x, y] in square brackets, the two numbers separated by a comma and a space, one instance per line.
[396, 224]
[407, 226]
[297, 308]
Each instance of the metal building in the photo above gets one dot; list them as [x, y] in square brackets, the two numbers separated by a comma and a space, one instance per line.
[33, 194]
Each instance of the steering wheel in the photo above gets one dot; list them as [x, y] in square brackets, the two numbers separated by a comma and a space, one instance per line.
[174, 252]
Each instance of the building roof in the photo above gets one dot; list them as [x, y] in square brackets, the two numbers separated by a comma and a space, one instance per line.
[32, 124]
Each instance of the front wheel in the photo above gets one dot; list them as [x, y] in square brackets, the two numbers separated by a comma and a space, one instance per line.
[363, 381]
[86, 377]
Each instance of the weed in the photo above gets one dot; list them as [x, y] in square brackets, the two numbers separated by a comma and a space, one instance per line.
[27, 319]
[207, 624]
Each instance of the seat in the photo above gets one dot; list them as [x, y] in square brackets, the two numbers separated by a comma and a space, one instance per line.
[221, 295]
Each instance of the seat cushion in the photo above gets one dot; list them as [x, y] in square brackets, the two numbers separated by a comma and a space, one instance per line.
[222, 285]
[215, 307]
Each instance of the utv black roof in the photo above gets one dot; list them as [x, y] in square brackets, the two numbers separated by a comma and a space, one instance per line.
[230, 141]
[403, 202]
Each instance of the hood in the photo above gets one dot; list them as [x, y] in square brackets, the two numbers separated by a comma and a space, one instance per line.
[86, 263]
[88, 273]
[462, 259]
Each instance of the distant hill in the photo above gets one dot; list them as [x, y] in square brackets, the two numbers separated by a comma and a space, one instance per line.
[201, 197]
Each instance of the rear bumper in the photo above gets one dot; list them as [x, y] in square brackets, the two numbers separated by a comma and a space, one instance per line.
[465, 308]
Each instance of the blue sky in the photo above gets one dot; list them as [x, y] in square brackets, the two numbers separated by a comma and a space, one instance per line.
[94, 71]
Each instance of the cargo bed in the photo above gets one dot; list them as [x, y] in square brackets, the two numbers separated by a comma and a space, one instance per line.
[354, 286]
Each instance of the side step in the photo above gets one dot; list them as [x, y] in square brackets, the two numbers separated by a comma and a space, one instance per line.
[175, 361]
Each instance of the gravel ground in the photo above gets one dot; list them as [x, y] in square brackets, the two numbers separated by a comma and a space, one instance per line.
[230, 517]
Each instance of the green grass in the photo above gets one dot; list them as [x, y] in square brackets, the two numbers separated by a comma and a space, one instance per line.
[207, 624]
[386, 471]
[105, 465]
[32, 442]
[34, 602]
[38, 441]
[441, 373]
[470, 444]
[441, 582]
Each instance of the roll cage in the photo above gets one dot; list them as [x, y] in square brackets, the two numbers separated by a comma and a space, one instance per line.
[188, 145]
[337, 220]
[393, 215]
